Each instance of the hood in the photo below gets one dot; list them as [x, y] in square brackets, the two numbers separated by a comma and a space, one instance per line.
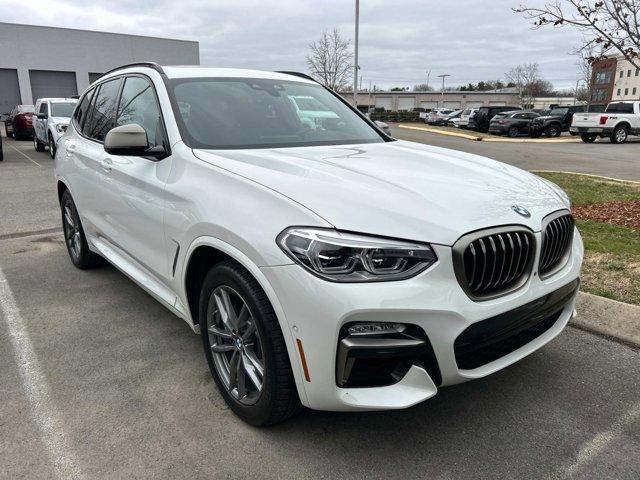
[56, 120]
[397, 189]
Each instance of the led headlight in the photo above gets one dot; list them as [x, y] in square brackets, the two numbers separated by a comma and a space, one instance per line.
[61, 127]
[345, 257]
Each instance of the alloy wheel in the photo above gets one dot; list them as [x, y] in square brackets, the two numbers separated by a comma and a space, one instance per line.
[52, 147]
[621, 135]
[72, 230]
[236, 346]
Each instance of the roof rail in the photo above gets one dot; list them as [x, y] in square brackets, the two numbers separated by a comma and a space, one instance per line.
[152, 65]
[299, 74]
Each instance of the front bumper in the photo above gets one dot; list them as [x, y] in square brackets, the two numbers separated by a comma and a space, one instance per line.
[316, 311]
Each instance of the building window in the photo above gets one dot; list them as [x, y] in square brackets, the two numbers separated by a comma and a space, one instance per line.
[600, 94]
[621, 73]
[637, 71]
[629, 73]
[626, 91]
[603, 77]
[619, 91]
[633, 92]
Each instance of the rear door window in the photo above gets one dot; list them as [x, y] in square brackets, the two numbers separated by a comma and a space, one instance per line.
[103, 111]
[81, 111]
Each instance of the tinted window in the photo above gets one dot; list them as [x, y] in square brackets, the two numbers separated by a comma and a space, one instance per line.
[620, 108]
[83, 108]
[138, 105]
[263, 113]
[43, 108]
[62, 109]
[103, 111]
[558, 112]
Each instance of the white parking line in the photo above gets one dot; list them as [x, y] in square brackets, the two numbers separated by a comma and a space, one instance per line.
[36, 389]
[593, 447]
[24, 155]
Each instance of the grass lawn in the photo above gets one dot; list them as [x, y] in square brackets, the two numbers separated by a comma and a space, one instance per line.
[612, 259]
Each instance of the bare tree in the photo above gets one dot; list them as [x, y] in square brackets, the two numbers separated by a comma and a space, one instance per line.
[526, 78]
[331, 60]
[585, 72]
[610, 24]
[422, 87]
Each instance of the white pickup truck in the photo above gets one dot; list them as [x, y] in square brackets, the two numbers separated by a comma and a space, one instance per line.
[618, 121]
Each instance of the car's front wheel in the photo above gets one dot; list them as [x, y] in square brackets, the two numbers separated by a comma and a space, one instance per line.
[74, 237]
[245, 348]
[52, 146]
[37, 144]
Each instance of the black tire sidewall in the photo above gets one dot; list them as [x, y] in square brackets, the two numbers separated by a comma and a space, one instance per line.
[511, 130]
[228, 274]
[87, 259]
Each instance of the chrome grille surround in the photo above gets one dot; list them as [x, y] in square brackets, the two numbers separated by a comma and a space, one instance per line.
[557, 238]
[494, 262]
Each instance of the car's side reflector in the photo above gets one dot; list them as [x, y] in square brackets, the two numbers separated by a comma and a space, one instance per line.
[303, 360]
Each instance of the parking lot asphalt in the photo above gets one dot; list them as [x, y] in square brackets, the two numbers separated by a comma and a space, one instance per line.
[100, 381]
[600, 158]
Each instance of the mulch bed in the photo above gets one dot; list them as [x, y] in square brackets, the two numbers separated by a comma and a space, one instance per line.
[624, 214]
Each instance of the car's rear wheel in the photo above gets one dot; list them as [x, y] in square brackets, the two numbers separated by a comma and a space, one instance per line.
[552, 131]
[37, 144]
[74, 237]
[588, 137]
[245, 348]
[513, 132]
[619, 134]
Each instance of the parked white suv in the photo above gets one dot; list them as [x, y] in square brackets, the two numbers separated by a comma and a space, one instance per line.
[619, 120]
[465, 116]
[50, 120]
[325, 263]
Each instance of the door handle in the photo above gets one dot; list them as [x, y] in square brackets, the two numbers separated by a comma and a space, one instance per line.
[107, 164]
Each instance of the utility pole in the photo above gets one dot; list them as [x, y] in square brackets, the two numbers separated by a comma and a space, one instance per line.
[355, 66]
[443, 76]
[428, 77]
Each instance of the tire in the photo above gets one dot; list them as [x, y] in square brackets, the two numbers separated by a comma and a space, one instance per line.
[277, 399]
[552, 131]
[37, 144]
[74, 237]
[52, 146]
[1, 154]
[619, 134]
[513, 132]
[588, 137]
[6, 130]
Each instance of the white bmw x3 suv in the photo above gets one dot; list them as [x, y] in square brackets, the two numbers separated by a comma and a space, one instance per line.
[325, 263]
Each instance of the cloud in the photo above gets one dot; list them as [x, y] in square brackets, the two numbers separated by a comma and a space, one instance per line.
[399, 41]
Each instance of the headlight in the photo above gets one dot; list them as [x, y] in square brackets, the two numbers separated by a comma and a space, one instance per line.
[346, 257]
[61, 127]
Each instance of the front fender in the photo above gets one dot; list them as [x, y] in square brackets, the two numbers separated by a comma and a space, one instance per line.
[246, 262]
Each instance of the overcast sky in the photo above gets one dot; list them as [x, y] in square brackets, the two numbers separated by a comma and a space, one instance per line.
[399, 39]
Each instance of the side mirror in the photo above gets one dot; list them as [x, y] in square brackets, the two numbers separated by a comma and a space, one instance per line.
[130, 140]
[42, 116]
[384, 127]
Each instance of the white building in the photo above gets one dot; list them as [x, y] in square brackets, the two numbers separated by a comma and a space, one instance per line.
[627, 81]
[41, 62]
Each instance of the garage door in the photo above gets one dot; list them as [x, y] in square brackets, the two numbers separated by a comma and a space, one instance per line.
[383, 102]
[474, 104]
[406, 103]
[47, 83]
[9, 90]
[94, 76]
[452, 105]
[429, 105]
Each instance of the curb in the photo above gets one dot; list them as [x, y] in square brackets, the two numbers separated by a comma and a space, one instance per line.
[490, 139]
[608, 318]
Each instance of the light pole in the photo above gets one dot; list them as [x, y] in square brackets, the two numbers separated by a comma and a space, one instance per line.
[443, 76]
[355, 66]
[428, 77]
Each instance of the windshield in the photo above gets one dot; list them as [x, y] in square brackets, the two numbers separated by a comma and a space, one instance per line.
[264, 113]
[60, 109]
[558, 112]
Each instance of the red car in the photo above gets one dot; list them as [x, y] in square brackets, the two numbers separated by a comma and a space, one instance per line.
[19, 122]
